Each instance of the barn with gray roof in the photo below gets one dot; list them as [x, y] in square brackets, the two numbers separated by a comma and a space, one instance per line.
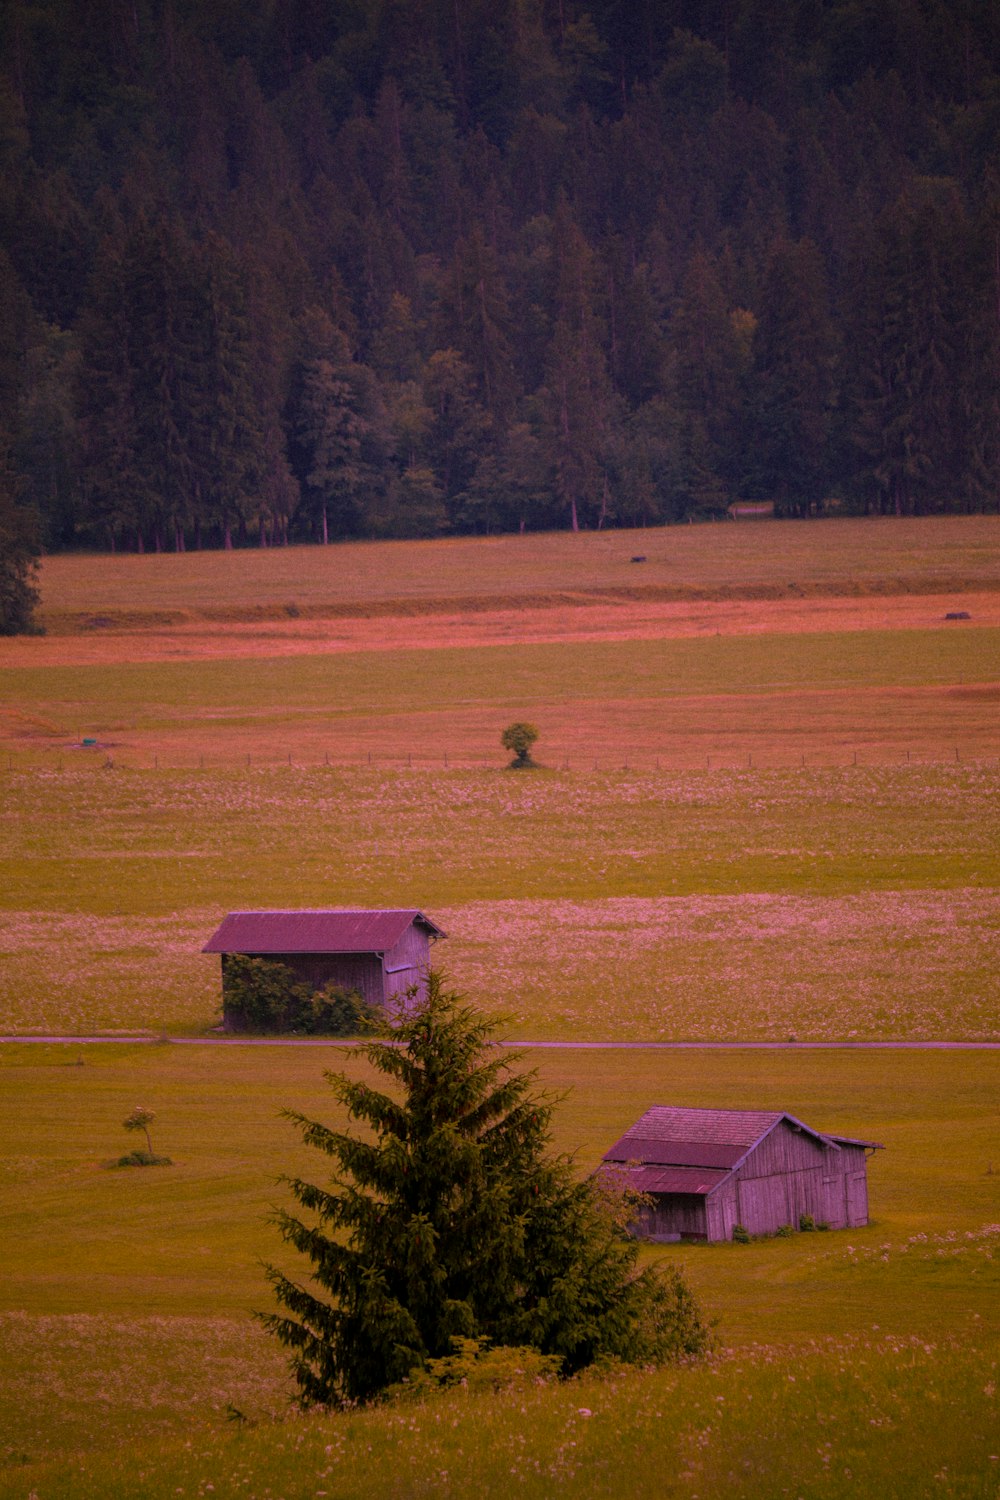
[379, 953]
[707, 1170]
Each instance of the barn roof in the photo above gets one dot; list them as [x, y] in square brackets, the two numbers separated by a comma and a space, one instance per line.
[670, 1136]
[317, 931]
[675, 1179]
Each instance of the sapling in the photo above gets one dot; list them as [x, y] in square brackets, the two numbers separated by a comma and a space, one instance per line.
[141, 1119]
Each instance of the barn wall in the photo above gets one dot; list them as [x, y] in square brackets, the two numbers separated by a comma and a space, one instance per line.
[407, 962]
[722, 1211]
[784, 1150]
[674, 1213]
[791, 1174]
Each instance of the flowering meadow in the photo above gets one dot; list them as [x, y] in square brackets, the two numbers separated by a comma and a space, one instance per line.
[825, 904]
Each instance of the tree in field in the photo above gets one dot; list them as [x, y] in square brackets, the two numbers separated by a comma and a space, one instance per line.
[140, 1118]
[518, 738]
[450, 1220]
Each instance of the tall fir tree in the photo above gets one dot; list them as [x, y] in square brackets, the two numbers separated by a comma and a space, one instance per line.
[793, 381]
[451, 1219]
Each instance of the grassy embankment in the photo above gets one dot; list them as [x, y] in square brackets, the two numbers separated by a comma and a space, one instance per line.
[696, 901]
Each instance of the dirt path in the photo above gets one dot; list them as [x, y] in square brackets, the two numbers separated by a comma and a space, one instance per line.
[259, 1041]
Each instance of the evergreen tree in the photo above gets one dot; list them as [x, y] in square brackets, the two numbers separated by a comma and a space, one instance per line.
[450, 1219]
[710, 360]
[794, 393]
[18, 553]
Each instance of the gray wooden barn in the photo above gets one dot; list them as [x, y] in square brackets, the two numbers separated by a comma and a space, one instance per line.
[706, 1170]
[380, 953]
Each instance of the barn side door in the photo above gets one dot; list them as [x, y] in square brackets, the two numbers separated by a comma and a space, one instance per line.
[857, 1198]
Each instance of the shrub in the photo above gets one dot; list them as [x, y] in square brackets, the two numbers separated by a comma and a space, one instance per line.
[141, 1118]
[519, 738]
[807, 1223]
[142, 1159]
[477, 1366]
[741, 1235]
[262, 995]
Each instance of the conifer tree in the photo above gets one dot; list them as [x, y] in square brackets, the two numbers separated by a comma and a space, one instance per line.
[18, 553]
[451, 1219]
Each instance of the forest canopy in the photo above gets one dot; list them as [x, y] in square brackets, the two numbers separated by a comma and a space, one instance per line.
[308, 270]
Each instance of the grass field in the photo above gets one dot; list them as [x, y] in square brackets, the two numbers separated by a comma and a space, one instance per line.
[124, 1302]
[769, 809]
[820, 904]
[879, 557]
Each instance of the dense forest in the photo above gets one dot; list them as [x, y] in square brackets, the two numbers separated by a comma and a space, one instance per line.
[306, 269]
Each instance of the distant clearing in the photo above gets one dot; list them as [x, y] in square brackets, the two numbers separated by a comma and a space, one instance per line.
[948, 554]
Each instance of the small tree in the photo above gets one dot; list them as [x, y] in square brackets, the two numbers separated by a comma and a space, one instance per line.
[141, 1119]
[453, 1221]
[519, 738]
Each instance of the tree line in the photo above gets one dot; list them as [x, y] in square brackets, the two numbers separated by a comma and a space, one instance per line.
[294, 271]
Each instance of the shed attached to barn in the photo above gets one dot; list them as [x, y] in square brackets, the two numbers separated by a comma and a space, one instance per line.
[380, 954]
[707, 1170]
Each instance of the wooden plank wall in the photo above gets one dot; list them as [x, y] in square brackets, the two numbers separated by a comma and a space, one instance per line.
[788, 1175]
[409, 958]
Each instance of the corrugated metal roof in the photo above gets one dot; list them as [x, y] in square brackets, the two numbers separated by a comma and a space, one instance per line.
[634, 1147]
[675, 1179]
[319, 931]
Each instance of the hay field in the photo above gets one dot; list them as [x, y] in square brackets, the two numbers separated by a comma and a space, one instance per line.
[878, 557]
[760, 817]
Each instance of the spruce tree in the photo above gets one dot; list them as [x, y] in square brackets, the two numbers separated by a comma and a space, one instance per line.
[450, 1218]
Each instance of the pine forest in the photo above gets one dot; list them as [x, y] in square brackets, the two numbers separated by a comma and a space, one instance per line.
[300, 270]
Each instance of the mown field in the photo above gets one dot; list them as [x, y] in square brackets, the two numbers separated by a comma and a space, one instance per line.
[768, 810]
[870, 556]
[125, 1295]
[851, 903]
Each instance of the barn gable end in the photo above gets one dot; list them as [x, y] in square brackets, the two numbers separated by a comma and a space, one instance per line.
[707, 1170]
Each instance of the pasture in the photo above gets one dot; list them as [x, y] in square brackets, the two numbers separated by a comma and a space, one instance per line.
[768, 810]
[125, 1294]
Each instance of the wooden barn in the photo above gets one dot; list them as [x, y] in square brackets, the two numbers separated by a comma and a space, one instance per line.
[378, 953]
[706, 1170]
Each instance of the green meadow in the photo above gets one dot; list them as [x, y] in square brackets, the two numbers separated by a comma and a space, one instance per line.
[124, 1312]
[760, 835]
[710, 905]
